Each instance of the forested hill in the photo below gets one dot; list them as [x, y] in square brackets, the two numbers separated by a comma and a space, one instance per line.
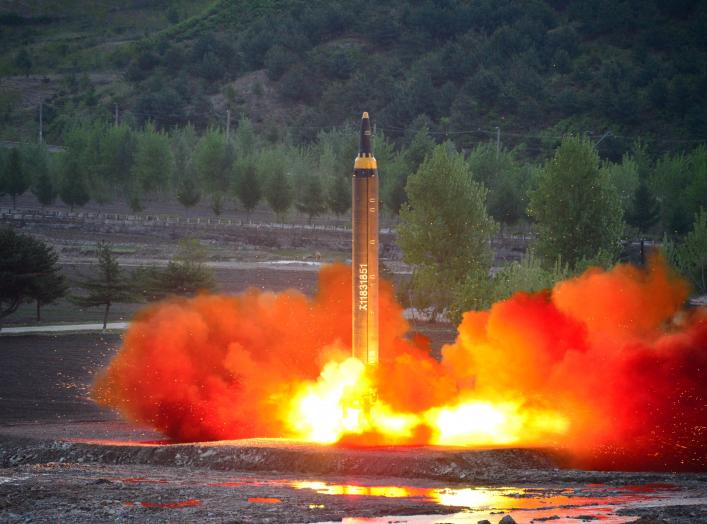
[615, 69]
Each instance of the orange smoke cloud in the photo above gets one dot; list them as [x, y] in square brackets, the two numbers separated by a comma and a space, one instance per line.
[606, 365]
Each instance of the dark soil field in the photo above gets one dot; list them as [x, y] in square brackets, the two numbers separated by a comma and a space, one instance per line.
[47, 378]
[62, 458]
[228, 281]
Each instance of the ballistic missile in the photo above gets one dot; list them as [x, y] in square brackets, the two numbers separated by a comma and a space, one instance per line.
[364, 255]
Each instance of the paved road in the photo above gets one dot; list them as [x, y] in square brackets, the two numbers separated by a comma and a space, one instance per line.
[62, 328]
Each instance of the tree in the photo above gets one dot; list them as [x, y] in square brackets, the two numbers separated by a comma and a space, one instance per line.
[339, 194]
[16, 181]
[36, 162]
[49, 284]
[278, 60]
[73, 190]
[394, 177]
[211, 68]
[23, 61]
[577, 210]
[117, 148]
[152, 168]
[278, 193]
[248, 190]
[28, 271]
[445, 231]
[311, 201]
[245, 139]
[691, 255]
[213, 160]
[503, 177]
[643, 213]
[109, 287]
[44, 189]
[420, 146]
[671, 179]
[183, 144]
[188, 193]
[186, 274]
[625, 178]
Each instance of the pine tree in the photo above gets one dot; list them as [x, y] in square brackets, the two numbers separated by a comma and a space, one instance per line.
[108, 287]
[49, 285]
[186, 274]
[28, 271]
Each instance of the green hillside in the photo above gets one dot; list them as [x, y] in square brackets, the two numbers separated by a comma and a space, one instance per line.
[536, 70]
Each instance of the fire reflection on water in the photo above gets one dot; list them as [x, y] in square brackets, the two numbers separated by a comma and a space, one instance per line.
[568, 504]
[478, 498]
[466, 497]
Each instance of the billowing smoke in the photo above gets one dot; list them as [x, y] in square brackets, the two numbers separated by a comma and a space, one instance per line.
[607, 365]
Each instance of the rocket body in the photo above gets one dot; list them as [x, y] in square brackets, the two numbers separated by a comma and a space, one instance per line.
[364, 256]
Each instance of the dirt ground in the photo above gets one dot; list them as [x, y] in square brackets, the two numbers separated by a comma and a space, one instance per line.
[118, 493]
[64, 459]
[48, 377]
[231, 280]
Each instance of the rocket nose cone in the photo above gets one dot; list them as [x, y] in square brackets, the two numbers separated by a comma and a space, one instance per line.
[365, 140]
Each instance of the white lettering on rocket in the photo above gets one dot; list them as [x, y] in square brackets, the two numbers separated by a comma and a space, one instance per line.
[363, 287]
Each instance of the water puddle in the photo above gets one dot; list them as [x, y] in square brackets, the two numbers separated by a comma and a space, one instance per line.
[526, 504]
[190, 503]
[264, 500]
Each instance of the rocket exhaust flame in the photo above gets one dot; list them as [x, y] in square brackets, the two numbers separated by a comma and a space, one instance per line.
[606, 365]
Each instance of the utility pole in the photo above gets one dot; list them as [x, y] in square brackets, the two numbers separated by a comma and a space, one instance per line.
[116, 114]
[228, 123]
[41, 118]
[498, 142]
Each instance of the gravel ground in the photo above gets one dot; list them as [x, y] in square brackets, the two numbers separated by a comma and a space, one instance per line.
[74, 492]
[63, 459]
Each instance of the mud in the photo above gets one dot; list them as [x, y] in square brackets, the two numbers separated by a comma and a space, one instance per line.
[62, 459]
[75, 492]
